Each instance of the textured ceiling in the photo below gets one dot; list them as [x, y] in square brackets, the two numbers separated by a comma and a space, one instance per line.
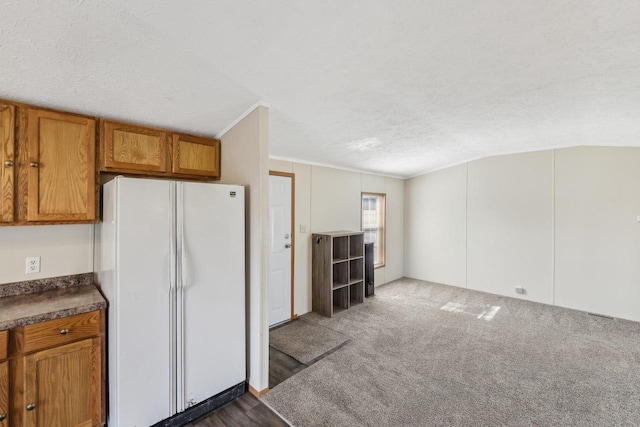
[393, 87]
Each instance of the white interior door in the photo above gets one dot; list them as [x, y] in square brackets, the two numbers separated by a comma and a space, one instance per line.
[281, 247]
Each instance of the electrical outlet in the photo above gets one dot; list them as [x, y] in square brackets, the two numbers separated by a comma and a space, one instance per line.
[33, 265]
[520, 290]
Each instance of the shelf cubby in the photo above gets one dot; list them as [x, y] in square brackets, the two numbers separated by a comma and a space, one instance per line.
[356, 245]
[356, 293]
[340, 274]
[341, 248]
[341, 298]
[356, 270]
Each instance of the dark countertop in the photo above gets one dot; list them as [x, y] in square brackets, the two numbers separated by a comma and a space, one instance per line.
[47, 299]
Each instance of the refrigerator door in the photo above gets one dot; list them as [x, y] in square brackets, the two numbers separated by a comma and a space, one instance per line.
[140, 366]
[211, 308]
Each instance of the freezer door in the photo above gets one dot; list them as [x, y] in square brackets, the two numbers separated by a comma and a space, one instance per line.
[140, 366]
[212, 305]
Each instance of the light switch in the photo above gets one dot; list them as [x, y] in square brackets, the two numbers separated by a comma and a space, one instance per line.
[303, 228]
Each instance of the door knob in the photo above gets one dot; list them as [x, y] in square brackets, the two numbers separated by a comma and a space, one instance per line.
[287, 245]
[31, 406]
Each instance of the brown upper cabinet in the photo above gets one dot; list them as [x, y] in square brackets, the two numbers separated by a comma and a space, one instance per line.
[196, 156]
[133, 148]
[61, 167]
[49, 161]
[7, 161]
[142, 150]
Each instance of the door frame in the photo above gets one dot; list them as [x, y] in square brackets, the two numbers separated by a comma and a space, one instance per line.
[293, 231]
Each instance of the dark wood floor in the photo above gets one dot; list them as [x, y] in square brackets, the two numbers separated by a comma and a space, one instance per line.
[281, 367]
[247, 411]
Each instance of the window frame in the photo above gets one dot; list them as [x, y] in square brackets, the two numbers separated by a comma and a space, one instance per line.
[383, 226]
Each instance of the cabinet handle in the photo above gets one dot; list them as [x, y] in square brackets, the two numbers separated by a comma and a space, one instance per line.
[7, 163]
[64, 331]
[34, 164]
[31, 406]
[3, 417]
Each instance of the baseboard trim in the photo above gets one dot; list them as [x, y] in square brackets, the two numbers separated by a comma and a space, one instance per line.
[256, 393]
[204, 407]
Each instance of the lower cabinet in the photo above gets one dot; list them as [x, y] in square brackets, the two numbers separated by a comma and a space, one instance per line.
[57, 372]
[4, 380]
[62, 385]
[4, 394]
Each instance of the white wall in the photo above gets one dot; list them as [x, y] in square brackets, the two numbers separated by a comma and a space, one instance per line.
[561, 223]
[435, 226]
[329, 199]
[335, 199]
[302, 267]
[245, 162]
[63, 250]
[597, 232]
[510, 225]
[394, 263]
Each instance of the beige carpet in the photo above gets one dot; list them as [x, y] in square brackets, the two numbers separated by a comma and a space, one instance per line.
[305, 341]
[430, 355]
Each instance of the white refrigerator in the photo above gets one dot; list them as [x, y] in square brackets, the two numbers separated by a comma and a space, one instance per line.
[170, 261]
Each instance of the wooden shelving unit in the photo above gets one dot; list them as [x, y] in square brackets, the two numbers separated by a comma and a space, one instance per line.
[338, 271]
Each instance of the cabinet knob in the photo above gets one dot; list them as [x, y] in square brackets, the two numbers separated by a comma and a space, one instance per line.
[3, 417]
[31, 406]
[34, 164]
[8, 163]
[64, 331]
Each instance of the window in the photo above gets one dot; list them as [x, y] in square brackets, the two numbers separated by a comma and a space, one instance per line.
[373, 206]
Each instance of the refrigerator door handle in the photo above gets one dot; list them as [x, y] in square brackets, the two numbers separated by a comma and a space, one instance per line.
[172, 240]
[184, 263]
[183, 249]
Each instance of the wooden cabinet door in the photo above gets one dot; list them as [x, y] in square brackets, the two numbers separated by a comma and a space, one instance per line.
[4, 394]
[62, 178]
[126, 147]
[7, 161]
[4, 338]
[63, 386]
[196, 156]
